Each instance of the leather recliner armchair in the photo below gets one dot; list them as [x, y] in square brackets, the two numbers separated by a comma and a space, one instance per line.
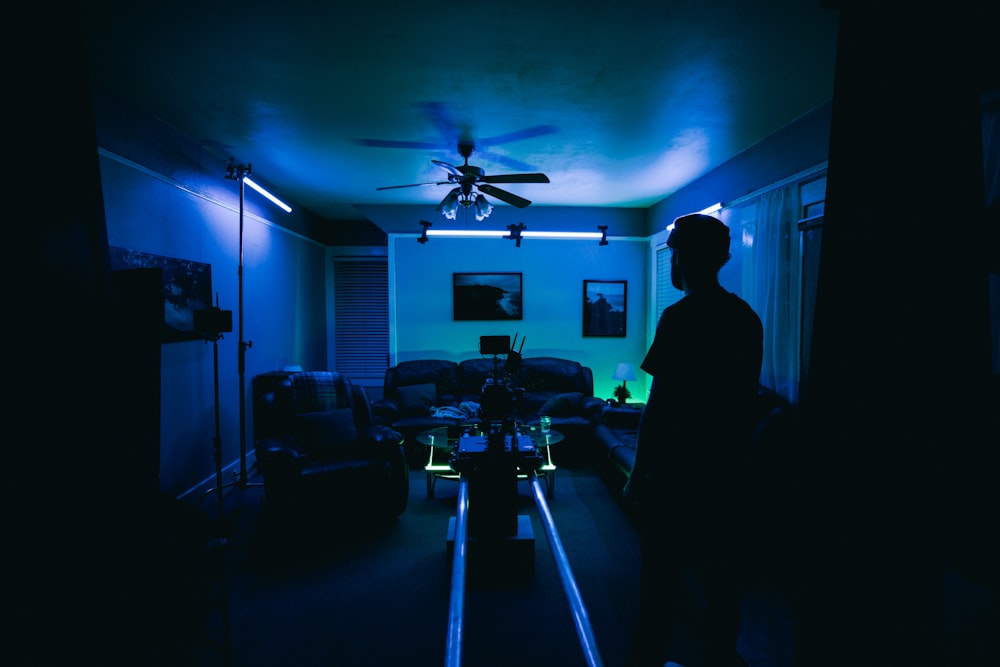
[318, 448]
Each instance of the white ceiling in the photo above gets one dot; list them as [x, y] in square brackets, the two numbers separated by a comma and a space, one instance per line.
[619, 103]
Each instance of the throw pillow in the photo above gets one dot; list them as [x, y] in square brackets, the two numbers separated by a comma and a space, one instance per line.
[416, 400]
[324, 433]
[562, 405]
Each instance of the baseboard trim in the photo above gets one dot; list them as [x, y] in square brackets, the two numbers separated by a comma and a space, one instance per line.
[229, 475]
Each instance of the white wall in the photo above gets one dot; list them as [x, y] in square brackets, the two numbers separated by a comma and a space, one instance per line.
[553, 272]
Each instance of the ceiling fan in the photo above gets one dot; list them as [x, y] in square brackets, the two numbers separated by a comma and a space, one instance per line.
[472, 183]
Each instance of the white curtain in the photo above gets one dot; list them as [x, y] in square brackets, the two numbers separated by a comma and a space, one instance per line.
[772, 283]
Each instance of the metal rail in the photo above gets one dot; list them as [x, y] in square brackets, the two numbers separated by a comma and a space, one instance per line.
[581, 619]
[456, 608]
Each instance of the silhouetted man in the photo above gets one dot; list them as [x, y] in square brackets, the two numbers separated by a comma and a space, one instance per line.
[705, 361]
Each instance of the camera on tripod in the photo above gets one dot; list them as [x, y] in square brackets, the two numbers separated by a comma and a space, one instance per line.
[499, 395]
[213, 321]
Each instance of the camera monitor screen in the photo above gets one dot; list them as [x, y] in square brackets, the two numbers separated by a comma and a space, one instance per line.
[494, 344]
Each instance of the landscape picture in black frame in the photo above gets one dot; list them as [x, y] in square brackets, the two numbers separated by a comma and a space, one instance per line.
[487, 296]
[605, 307]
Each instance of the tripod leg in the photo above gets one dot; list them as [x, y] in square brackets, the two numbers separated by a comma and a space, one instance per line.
[219, 545]
[217, 441]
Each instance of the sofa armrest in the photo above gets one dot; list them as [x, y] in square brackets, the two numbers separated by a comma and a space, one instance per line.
[619, 417]
[279, 449]
[385, 411]
[279, 459]
[378, 434]
[593, 408]
[397, 488]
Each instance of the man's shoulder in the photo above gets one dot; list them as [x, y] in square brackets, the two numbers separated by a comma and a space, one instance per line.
[739, 304]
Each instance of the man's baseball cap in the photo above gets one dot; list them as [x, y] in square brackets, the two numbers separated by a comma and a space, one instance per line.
[700, 233]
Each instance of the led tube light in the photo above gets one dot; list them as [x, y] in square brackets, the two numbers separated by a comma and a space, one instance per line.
[562, 235]
[500, 233]
[468, 233]
[253, 184]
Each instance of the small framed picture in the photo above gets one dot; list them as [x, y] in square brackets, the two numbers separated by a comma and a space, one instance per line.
[605, 304]
[487, 296]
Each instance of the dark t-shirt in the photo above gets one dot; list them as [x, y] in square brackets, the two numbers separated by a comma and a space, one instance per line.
[705, 361]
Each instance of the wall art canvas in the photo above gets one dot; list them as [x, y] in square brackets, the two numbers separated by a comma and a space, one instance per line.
[487, 296]
[605, 304]
[187, 287]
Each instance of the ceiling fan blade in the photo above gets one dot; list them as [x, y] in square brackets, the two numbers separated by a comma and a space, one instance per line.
[517, 135]
[442, 120]
[412, 185]
[515, 178]
[389, 143]
[450, 168]
[505, 160]
[503, 195]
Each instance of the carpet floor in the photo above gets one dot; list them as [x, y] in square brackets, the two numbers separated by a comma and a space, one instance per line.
[333, 593]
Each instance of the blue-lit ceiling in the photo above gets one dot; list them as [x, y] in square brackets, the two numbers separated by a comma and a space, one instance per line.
[619, 104]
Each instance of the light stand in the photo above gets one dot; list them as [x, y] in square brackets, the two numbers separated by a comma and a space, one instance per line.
[241, 173]
[238, 172]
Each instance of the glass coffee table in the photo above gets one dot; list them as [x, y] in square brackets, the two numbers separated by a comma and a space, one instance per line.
[440, 447]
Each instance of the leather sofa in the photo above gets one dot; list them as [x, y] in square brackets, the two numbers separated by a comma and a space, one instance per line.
[774, 470]
[426, 393]
[615, 436]
[319, 449]
[617, 432]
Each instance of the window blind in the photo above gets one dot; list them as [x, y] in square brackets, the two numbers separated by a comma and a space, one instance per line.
[666, 293]
[361, 313]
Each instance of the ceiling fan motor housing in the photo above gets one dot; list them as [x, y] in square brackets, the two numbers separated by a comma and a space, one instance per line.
[472, 173]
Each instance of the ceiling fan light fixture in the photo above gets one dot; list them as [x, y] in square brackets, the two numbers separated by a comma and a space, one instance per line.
[449, 205]
[483, 208]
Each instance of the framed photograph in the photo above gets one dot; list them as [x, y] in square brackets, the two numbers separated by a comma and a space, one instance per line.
[487, 296]
[605, 304]
[187, 287]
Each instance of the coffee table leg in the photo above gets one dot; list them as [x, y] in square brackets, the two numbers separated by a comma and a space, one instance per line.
[550, 475]
[430, 475]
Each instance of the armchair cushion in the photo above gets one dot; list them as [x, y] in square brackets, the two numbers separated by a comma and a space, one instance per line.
[324, 433]
[416, 400]
[563, 405]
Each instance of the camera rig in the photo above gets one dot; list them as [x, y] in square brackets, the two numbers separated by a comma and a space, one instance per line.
[489, 461]
[492, 459]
